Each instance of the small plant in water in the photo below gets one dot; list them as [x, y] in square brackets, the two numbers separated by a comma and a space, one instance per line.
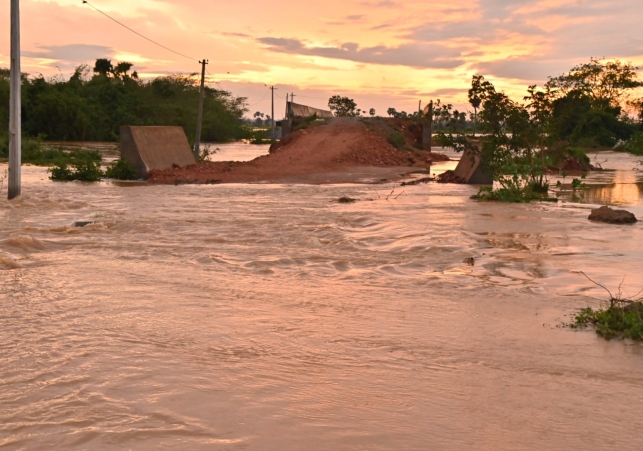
[121, 170]
[205, 153]
[84, 171]
[619, 318]
[346, 200]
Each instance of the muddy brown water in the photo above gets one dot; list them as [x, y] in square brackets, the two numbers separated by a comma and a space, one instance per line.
[269, 317]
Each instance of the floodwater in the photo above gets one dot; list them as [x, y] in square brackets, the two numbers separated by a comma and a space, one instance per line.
[269, 317]
[236, 151]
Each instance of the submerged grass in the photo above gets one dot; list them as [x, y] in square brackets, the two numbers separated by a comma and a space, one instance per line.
[33, 152]
[518, 195]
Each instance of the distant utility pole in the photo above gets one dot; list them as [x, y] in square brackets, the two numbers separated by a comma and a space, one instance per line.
[420, 109]
[197, 141]
[272, 116]
[292, 97]
[15, 128]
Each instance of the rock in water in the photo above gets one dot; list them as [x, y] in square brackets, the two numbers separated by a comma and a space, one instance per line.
[611, 216]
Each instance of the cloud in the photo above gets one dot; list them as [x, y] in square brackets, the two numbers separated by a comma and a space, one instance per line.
[526, 69]
[412, 55]
[235, 35]
[72, 53]
[381, 4]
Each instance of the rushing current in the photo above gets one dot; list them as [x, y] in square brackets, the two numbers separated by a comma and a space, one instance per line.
[271, 317]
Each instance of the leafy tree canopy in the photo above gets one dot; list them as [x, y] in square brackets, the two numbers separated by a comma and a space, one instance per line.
[603, 82]
[343, 106]
[95, 102]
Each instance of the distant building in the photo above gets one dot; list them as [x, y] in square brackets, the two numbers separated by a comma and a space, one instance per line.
[295, 111]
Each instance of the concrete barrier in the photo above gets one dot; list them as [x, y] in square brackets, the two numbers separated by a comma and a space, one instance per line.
[147, 148]
[470, 169]
[427, 135]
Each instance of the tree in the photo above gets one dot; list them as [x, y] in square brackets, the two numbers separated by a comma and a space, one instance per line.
[391, 112]
[94, 102]
[636, 105]
[604, 82]
[103, 67]
[540, 108]
[474, 99]
[371, 112]
[343, 106]
[507, 147]
[121, 70]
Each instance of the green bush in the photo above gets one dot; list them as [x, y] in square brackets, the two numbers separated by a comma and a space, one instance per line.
[633, 145]
[396, 139]
[83, 171]
[33, 152]
[616, 321]
[121, 170]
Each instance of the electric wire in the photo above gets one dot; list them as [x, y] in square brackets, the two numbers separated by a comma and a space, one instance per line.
[148, 39]
[164, 47]
[137, 33]
[262, 99]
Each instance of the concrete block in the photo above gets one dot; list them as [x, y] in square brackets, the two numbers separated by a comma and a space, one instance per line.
[159, 147]
[427, 135]
[286, 127]
[470, 169]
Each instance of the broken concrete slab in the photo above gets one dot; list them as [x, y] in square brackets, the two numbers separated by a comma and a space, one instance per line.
[156, 147]
[470, 169]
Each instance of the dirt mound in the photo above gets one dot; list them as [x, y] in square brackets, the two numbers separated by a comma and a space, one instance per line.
[328, 146]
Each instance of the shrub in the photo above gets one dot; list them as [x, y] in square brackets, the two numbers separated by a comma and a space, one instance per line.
[396, 139]
[84, 171]
[121, 170]
[61, 173]
[633, 145]
[619, 318]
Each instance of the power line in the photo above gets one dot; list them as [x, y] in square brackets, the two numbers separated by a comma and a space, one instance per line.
[262, 99]
[136, 32]
[217, 83]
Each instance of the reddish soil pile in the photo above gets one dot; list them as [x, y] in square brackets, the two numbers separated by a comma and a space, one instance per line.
[331, 146]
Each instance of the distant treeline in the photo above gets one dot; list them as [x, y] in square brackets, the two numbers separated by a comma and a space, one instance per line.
[94, 103]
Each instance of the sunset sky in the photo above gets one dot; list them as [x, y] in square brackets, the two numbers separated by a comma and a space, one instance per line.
[382, 53]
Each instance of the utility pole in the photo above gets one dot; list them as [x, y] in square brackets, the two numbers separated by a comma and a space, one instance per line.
[292, 97]
[15, 127]
[272, 116]
[197, 141]
[420, 109]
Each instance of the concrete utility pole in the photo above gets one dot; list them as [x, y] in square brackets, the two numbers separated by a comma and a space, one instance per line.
[15, 127]
[197, 141]
[272, 115]
[427, 128]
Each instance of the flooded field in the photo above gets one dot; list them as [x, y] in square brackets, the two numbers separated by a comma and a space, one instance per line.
[270, 317]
